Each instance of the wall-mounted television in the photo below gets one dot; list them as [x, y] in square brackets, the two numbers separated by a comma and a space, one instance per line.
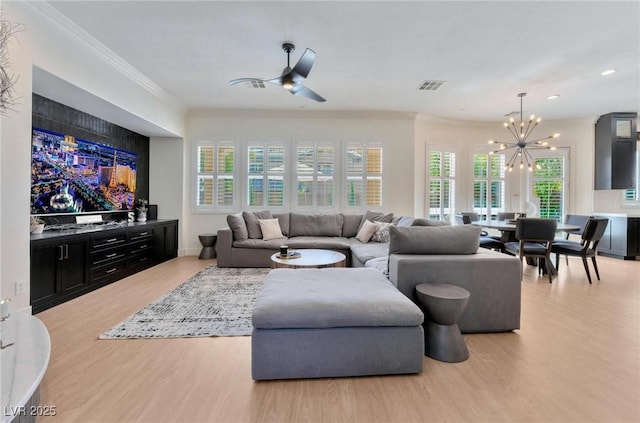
[70, 175]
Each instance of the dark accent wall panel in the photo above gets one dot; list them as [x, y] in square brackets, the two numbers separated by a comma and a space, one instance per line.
[56, 117]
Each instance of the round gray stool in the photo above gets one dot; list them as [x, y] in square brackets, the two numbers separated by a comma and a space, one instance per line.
[208, 242]
[443, 305]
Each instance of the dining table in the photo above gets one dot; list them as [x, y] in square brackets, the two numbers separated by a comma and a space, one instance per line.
[508, 230]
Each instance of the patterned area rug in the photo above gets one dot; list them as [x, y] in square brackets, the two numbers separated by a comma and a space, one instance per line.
[214, 302]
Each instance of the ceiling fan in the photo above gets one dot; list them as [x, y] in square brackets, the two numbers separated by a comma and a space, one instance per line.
[291, 78]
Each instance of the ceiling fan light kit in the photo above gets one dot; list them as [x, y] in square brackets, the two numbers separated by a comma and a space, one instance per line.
[291, 78]
[522, 145]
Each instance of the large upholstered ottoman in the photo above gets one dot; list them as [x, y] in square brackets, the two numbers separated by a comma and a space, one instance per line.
[310, 323]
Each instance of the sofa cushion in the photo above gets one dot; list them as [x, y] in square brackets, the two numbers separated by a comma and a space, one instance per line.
[270, 229]
[351, 224]
[429, 222]
[238, 226]
[315, 224]
[331, 298]
[270, 244]
[375, 216]
[319, 242]
[283, 218]
[462, 239]
[253, 227]
[381, 264]
[403, 220]
[368, 251]
[366, 231]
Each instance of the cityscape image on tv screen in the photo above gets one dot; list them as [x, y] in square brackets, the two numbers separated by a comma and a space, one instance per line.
[71, 175]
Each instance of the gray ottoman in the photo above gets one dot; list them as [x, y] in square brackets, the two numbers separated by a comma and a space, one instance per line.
[310, 323]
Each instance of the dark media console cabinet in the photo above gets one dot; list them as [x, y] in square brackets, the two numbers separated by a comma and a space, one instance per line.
[70, 263]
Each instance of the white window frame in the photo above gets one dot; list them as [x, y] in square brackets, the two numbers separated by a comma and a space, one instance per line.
[214, 174]
[489, 211]
[315, 175]
[364, 175]
[265, 175]
[452, 180]
[241, 176]
[559, 152]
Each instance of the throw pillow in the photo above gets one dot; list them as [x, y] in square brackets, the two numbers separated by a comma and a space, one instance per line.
[238, 227]
[366, 231]
[374, 216]
[270, 229]
[251, 219]
[382, 233]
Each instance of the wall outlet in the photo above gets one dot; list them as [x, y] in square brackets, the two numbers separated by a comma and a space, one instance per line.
[21, 289]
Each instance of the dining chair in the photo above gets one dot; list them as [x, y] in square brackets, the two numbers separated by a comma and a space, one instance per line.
[506, 215]
[586, 248]
[485, 241]
[534, 239]
[579, 220]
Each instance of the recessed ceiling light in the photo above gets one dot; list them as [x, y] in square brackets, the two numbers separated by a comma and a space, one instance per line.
[608, 72]
[553, 97]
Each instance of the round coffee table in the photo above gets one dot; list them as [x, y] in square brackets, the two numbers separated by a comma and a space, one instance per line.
[309, 258]
[443, 305]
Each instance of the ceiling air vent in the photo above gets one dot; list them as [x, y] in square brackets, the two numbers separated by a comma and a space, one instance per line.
[430, 85]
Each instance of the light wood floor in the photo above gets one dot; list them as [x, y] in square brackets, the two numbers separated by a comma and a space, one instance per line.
[576, 358]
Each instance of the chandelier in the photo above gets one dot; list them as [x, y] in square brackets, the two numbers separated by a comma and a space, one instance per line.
[522, 145]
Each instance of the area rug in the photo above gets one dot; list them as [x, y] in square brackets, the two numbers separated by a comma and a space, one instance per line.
[214, 302]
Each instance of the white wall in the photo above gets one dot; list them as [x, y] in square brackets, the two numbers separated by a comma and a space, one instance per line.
[394, 129]
[47, 45]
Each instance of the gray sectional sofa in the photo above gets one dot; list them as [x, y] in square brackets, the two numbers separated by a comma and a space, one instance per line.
[415, 251]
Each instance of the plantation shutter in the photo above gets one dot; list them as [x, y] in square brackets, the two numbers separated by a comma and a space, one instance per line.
[441, 185]
[215, 180]
[548, 186]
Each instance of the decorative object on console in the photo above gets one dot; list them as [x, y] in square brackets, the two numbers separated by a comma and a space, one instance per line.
[142, 209]
[37, 225]
[521, 133]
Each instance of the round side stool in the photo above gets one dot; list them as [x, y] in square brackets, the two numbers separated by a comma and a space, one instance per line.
[443, 305]
[208, 242]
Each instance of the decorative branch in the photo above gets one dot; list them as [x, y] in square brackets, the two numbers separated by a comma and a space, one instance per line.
[7, 81]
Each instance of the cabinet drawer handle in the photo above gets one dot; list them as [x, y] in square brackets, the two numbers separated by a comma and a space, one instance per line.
[61, 256]
[111, 270]
[111, 255]
[143, 259]
[66, 251]
[112, 240]
[143, 233]
[143, 246]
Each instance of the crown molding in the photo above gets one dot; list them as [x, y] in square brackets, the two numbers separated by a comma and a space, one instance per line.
[102, 51]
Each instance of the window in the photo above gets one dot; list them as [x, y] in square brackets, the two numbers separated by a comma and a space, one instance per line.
[489, 196]
[549, 186]
[315, 184]
[305, 176]
[363, 170]
[216, 179]
[441, 184]
[265, 176]
[631, 197]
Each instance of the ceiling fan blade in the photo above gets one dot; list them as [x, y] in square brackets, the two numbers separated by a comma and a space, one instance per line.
[302, 68]
[303, 91]
[241, 80]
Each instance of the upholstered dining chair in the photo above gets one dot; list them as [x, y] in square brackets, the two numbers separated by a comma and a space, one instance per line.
[586, 248]
[506, 215]
[485, 241]
[535, 237]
